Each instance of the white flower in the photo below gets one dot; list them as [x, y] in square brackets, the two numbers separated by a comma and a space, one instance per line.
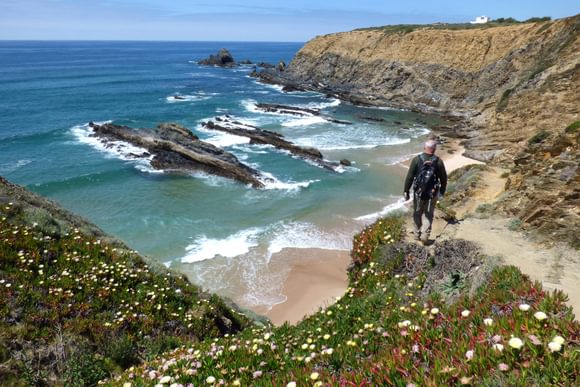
[524, 307]
[210, 380]
[465, 313]
[326, 336]
[540, 316]
[488, 322]
[165, 379]
[469, 354]
[498, 347]
[434, 310]
[558, 339]
[127, 384]
[516, 343]
[291, 384]
[554, 346]
[314, 376]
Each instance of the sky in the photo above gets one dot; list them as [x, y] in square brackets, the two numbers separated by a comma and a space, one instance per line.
[243, 20]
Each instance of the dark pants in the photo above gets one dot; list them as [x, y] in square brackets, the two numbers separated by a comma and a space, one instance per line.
[423, 207]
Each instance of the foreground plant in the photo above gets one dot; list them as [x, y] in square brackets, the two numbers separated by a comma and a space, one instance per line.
[385, 331]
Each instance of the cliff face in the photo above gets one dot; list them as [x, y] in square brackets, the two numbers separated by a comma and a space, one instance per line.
[508, 82]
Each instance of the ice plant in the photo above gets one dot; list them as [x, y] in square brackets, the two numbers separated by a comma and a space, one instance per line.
[540, 316]
[524, 307]
[554, 346]
[516, 343]
[488, 322]
[465, 313]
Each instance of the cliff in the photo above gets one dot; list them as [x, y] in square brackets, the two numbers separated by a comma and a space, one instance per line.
[508, 87]
[507, 82]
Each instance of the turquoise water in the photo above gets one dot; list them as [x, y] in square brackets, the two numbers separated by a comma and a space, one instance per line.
[221, 232]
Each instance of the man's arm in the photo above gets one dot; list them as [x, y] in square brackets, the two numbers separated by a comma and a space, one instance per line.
[410, 175]
[442, 177]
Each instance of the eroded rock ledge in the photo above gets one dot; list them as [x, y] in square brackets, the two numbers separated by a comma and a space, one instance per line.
[173, 147]
[266, 137]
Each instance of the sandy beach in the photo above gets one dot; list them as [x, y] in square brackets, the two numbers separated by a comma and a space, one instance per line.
[318, 276]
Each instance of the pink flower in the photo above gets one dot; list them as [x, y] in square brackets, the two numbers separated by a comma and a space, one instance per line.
[257, 374]
[469, 354]
[503, 367]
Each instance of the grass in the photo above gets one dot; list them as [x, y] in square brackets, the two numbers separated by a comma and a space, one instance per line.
[384, 331]
[503, 101]
[573, 128]
[539, 137]
[75, 310]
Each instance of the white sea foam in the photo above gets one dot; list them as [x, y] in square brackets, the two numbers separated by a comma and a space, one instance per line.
[322, 105]
[304, 121]
[223, 140]
[119, 149]
[305, 235]
[174, 98]
[333, 141]
[399, 205]
[271, 183]
[237, 244]
[13, 166]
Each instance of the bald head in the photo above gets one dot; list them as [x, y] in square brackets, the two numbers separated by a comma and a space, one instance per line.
[430, 146]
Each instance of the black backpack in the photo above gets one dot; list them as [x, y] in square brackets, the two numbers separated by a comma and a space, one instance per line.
[426, 181]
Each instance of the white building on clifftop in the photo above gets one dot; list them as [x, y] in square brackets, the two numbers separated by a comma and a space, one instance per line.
[480, 20]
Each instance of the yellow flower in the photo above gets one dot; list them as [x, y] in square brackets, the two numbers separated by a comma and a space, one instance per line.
[516, 343]
[326, 336]
[540, 316]
[236, 382]
[314, 376]
[434, 311]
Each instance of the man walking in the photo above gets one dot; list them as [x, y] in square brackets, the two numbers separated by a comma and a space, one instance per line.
[428, 177]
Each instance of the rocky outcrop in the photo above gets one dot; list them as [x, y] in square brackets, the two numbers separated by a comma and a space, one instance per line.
[173, 147]
[223, 59]
[296, 111]
[543, 187]
[266, 137]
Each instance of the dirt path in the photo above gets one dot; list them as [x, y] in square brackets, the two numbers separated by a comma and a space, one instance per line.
[556, 267]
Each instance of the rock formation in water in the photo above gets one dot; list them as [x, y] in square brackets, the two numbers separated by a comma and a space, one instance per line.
[173, 147]
[223, 59]
[266, 137]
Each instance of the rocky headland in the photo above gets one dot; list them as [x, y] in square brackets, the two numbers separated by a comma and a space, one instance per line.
[500, 87]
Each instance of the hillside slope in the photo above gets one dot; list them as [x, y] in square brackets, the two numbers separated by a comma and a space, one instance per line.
[507, 81]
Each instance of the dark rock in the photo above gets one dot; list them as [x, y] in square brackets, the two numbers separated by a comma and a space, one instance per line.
[246, 62]
[175, 148]
[281, 66]
[372, 118]
[260, 136]
[223, 59]
[345, 162]
[265, 65]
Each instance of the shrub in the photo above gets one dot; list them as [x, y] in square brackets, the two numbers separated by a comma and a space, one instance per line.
[514, 224]
[538, 137]
[573, 127]
[85, 370]
[503, 101]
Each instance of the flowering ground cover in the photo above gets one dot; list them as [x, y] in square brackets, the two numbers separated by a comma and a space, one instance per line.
[74, 309]
[500, 329]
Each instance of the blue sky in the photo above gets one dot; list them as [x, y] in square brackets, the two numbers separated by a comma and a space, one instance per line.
[248, 20]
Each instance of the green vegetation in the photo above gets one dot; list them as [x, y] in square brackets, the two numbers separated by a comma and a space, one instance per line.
[539, 137]
[391, 328]
[514, 224]
[75, 310]
[573, 127]
[503, 101]
[499, 22]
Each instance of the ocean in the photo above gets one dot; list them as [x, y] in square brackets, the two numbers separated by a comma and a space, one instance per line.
[222, 233]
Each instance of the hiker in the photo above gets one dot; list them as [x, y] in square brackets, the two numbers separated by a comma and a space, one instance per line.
[428, 177]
